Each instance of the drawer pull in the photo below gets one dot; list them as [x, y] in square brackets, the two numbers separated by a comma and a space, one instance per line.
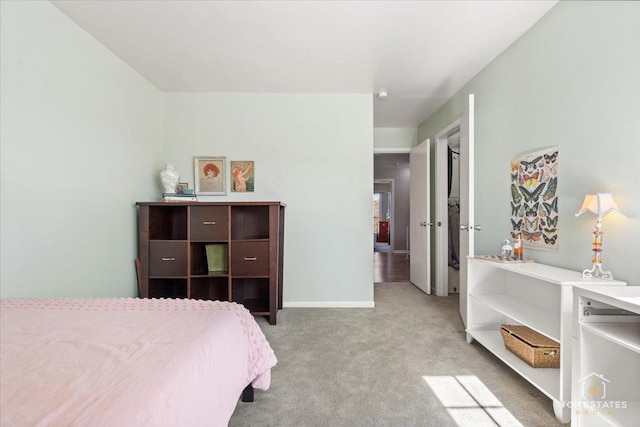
[209, 222]
[253, 258]
[168, 259]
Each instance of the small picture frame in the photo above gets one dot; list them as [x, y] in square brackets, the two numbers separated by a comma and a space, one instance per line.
[181, 187]
[209, 174]
[242, 174]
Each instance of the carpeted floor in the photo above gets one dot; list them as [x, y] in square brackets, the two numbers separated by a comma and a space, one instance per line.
[365, 367]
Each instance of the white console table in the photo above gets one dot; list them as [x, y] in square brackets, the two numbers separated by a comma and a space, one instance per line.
[606, 356]
[531, 294]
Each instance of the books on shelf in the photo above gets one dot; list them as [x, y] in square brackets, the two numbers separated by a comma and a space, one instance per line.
[175, 197]
[217, 256]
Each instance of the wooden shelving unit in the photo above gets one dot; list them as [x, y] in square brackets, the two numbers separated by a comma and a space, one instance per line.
[247, 239]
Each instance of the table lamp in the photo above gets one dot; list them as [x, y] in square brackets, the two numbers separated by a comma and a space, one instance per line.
[600, 204]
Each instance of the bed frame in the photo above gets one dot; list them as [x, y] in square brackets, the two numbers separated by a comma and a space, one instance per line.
[247, 394]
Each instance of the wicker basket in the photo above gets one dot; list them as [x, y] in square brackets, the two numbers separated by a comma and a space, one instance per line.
[535, 349]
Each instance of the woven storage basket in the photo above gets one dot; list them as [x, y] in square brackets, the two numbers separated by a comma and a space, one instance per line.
[530, 346]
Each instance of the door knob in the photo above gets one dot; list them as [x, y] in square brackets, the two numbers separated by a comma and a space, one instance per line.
[423, 223]
[464, 227]
[477, 227]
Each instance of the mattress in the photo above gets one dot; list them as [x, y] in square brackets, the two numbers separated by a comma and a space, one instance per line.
[125, 361]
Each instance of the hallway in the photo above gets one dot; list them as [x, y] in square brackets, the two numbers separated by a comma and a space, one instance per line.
[390, 267]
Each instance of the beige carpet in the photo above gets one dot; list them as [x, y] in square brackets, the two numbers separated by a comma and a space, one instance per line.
[366, 367]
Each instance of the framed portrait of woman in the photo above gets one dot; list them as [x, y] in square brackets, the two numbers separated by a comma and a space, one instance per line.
[242, 176]
[210, 176]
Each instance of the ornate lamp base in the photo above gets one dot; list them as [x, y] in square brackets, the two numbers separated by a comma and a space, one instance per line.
[596, 250]
[596, 271]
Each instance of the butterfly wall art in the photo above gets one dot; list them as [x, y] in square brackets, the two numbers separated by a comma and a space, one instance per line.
[534, 198]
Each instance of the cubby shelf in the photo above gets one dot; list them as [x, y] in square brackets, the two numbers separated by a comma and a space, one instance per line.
[178, 241]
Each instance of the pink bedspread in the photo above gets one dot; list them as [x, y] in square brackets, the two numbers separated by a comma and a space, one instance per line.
[127, 362]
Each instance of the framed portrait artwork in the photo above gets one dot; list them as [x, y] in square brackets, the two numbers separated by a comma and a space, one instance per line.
[242, 176]
[210, 175]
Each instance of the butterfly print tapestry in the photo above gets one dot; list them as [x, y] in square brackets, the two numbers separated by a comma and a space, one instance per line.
[534, 198]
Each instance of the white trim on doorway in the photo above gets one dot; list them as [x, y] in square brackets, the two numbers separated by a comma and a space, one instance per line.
[391, 228]
[441, 208]
[391, 207]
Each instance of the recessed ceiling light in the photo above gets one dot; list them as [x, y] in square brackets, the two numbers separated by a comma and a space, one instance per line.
[382, 94]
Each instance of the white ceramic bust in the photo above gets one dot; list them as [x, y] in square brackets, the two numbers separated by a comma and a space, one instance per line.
[169, 178]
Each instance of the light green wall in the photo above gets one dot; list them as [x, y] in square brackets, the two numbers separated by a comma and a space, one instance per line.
[312, 152]
[387, 139]
[84, 137]
[573, 80]
[79, 134]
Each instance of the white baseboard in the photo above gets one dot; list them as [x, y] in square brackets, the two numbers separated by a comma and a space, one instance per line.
[400, 251]
[329, 304]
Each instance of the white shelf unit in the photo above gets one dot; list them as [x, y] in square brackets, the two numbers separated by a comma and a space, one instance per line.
[534, 295]
[606, 356]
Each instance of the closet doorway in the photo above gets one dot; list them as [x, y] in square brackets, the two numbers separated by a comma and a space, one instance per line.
[447, 189]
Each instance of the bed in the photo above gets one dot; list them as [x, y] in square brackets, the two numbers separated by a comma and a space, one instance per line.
[126, 361]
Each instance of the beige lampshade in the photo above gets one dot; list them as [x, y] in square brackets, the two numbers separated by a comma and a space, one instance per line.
[600, 204]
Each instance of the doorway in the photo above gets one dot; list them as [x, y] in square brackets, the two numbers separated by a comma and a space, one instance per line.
[448, 210]
[391, 217]
[382, 215]
[464, 128]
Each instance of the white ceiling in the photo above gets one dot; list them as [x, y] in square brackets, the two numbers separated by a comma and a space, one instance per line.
[420, 52]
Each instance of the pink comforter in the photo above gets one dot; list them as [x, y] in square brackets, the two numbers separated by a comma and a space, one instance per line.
[127, 362]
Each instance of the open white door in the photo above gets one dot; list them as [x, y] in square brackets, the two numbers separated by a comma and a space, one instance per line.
[467, 225]
[419, 230]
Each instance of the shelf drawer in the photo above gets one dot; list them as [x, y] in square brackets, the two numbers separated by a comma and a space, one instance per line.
[209, 223]
[250, 259]
[167, 259]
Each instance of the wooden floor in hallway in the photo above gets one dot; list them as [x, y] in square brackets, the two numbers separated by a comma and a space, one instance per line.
[389, 266]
